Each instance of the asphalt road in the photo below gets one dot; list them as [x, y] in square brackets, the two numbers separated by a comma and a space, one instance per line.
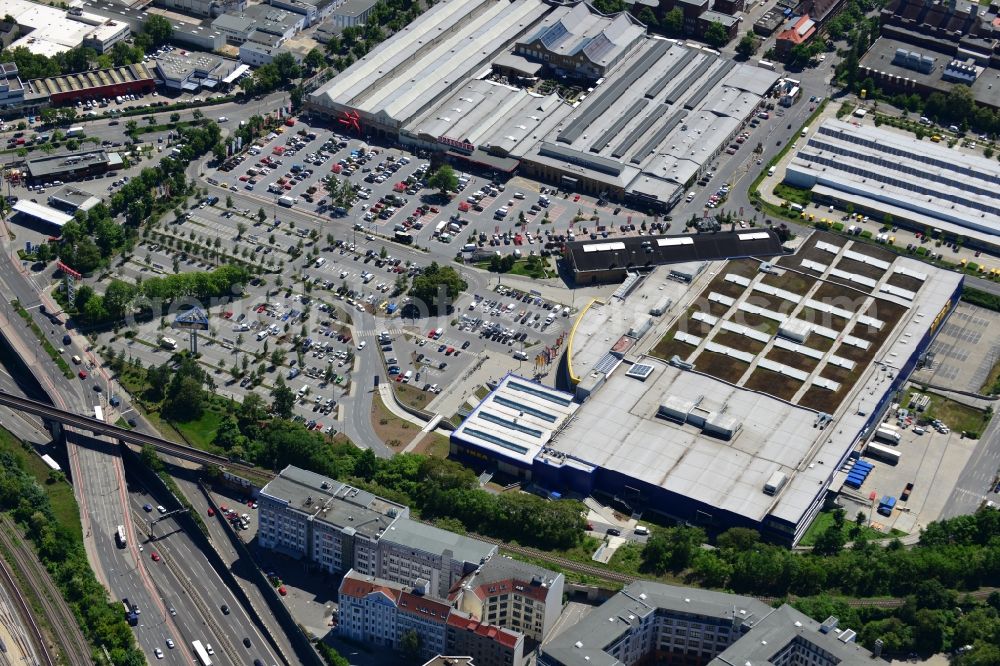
[192, 587]
[95, 467]
[976, 479]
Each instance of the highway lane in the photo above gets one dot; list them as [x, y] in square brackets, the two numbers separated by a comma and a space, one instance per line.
[201, 592]
[97, 472]
[218, 533]
[101, 482]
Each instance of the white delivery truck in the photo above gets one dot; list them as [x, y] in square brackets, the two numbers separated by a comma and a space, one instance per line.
[287, 201]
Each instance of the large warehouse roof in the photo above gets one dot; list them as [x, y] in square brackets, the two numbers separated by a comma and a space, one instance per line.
[518, 419]
[639, 251]
[578, 30]
[434, 54]
[619, 430]
[659, 116]
[620, 427]
[886, 166]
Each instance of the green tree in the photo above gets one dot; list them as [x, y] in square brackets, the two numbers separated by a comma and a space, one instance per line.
[315, 59]
[287, 68]
[158, 29]
[747, 45]
[282, 399]
[366, 465]
[673, 22]
[672, 549]
[278, 356]
[436, 282]
[443, 180]
[261, 215]
[150, 459]
[609, 6]
[716, 35]
[411, 644]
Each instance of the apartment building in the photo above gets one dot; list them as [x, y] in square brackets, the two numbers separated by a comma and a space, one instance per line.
[329, 523]
[514, 595]
[380, 612]
[339, 527]
[654, 622]
[486, 644]
[410, 551]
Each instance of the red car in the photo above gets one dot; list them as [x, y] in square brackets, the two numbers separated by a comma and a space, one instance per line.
[576, 197]
[82, 374]
[282, 590]
[211, 512]
[155, 556]
[223, 509]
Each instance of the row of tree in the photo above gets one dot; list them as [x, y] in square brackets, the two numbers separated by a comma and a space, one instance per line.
[435, 488]
[60, 549]
[121, 299]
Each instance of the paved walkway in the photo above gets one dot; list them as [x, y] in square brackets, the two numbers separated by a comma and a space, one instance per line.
[431, 425]
[389, 400]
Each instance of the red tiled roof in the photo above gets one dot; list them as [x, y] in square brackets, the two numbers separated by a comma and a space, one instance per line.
[794, 35]
[359, 589]
[424, 607]
[505, 637]
[511, 586]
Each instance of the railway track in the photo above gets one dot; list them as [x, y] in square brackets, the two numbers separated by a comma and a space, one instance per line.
[70, 639]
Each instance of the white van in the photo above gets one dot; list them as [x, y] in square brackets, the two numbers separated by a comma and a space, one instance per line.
[770, 172]
[805, 130]
[320, 261]
[262, 334]
[641, 530]
[77, 360]
[407, 376]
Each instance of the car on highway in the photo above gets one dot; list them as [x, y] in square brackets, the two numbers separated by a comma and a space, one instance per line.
[159, 653]
[170, 643]
[154, 556]
[225, 609]
[147, 507]
[82, 374]
[246, 641]
[160, 508]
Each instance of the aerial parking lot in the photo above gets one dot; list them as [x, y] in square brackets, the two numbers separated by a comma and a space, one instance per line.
[300, 165]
